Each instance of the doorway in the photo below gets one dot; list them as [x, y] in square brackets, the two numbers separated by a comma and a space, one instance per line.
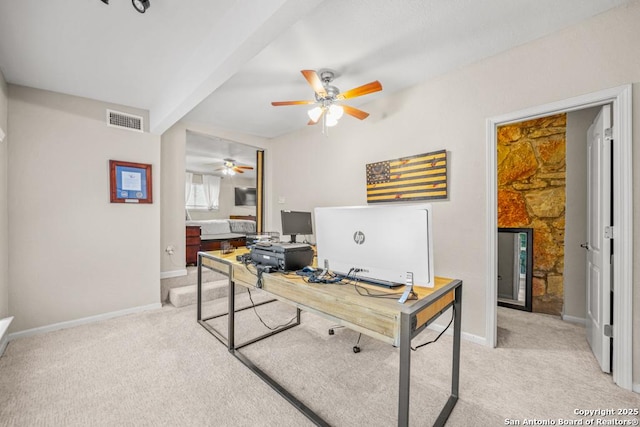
[532, 176]
[542, 187]
[620, 99]
[237, 170]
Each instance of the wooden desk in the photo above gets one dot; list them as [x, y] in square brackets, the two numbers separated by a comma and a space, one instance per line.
[380, 318]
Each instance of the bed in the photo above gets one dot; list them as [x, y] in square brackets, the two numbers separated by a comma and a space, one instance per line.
[215, 231]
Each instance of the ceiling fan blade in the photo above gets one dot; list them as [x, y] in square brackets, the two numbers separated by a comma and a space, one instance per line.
[315, 82]
[358, 114]
[237, 169]
[361, 90]
[280, 103]
[245, 167]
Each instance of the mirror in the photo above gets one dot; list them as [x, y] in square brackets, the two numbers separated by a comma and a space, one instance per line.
[515, 262]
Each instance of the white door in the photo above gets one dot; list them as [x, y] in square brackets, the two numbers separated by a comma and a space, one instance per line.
[598, 237]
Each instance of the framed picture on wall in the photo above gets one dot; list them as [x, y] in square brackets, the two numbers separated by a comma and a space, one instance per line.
[130, 182]
[408, 179]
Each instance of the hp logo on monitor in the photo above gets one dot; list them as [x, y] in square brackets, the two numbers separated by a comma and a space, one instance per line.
[358, 237]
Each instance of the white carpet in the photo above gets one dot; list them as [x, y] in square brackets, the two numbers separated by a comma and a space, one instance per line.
[161, 368]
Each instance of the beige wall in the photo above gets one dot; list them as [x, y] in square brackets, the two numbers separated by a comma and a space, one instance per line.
[575, 268]
[451, 112]
[172, 232]
[228, 196]
[172, 186]
[4, 230]
[73, 253]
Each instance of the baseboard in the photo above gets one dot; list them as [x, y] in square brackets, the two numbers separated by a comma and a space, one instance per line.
[573, 319]
[82, 321]
[173, 273]
[475, 339]
[464, 335]
[4, 337]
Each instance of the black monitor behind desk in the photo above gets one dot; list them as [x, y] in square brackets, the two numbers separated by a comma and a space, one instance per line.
[380, 318]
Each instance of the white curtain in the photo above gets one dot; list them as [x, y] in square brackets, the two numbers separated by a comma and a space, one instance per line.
[211, 186]
[188, 179]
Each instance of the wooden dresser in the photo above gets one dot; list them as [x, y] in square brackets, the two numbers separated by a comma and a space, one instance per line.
[193, 244]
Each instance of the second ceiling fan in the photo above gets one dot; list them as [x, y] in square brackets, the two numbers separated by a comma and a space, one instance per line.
[328, 98]
[230, 167]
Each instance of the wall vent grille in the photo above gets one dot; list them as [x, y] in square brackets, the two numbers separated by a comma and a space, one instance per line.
[124, 120]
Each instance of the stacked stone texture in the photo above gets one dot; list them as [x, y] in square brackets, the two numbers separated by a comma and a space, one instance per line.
[531, 194]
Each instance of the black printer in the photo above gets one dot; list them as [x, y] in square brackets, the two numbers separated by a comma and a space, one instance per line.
[282, 256]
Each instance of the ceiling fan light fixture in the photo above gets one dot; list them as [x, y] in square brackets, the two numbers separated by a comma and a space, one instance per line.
[330, 121]
[315, 113]
[336, 111]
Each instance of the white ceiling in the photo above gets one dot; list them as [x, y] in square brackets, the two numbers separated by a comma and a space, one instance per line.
[206, 154]
[222, 62]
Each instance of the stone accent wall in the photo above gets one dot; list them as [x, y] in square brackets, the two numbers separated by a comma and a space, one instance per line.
[531, 194]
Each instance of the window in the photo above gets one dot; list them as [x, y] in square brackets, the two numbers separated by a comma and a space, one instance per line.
[203, 192]
[196, 197]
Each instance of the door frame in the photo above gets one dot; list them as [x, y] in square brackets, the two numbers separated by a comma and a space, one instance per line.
[260, 191]
[620, 99]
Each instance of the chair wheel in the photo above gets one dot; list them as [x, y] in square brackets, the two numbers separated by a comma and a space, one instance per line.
[331, 331]
[356, 349]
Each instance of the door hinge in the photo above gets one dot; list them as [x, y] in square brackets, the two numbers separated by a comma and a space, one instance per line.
[608, 232]
[608, 134]
[608, 331]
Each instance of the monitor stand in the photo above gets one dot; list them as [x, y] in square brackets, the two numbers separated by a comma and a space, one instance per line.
[409, 293]
[292, 239]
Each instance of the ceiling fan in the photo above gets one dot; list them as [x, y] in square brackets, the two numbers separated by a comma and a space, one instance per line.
[230, 167]
[328, 99]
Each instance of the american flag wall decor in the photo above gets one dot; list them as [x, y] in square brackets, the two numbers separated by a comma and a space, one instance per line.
[419, 177]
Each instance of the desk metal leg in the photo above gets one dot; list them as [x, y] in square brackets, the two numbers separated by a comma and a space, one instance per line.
[405, 364]
[455, 371]
[229, 340]
[405, 369]
[304, 409]
[199, 288]
[456, 342]
[231, 343]
[233, 349]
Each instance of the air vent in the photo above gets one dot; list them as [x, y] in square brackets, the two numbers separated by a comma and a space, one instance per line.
[124, 121]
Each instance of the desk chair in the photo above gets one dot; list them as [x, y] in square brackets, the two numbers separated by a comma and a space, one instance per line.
[356, 348]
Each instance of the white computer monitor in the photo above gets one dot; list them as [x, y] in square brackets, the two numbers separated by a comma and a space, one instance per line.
[384, 241]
